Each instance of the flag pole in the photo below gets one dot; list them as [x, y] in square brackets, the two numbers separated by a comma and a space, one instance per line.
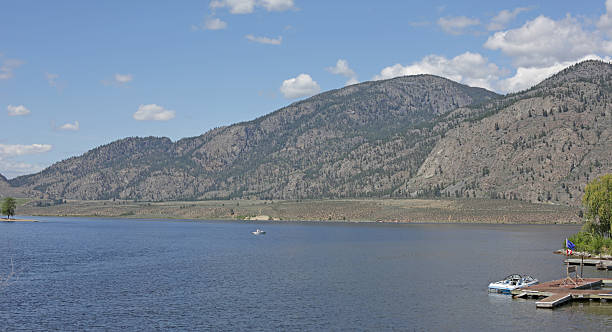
[567, 253]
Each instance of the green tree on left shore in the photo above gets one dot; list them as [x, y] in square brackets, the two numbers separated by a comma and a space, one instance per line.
[8, 207]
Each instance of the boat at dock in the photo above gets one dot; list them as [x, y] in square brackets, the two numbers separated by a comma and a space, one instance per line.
[512, 282]
[259, 232]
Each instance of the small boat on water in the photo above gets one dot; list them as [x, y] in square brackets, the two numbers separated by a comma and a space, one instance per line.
[511, 283]
[259, 232]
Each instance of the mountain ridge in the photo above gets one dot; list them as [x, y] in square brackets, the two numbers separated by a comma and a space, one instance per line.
[555, 137]
[204, 166]
[373, 139]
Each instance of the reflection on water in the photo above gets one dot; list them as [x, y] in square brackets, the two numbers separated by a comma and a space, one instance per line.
[84, 274]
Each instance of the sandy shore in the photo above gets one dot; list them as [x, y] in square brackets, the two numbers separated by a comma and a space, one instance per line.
[17, 219]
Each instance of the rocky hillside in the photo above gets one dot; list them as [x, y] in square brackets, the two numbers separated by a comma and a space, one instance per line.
[543, 144]
[4, 185]
[362, 140]
[7, 190]
[413, 136]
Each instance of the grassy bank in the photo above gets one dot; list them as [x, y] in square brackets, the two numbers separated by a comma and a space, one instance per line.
[385, 210]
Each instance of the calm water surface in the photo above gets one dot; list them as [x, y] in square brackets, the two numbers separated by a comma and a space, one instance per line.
[107, 274]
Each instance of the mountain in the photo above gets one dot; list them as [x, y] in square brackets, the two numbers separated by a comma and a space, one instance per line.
[543, 144]
[4, 186]
[7, 190]
[361, 140]
[413, 136]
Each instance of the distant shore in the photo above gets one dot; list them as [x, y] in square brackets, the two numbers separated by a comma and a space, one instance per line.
[346, 210]
[17, 219]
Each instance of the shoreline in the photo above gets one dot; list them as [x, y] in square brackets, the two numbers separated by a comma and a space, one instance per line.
[583, 254]
[280, 221]
[384, 211]
[18, 220]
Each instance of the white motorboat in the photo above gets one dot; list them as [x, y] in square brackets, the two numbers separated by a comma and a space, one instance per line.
[259, 232]
[511, 283]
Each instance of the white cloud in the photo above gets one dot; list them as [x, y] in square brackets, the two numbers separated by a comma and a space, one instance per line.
[17, 110]
[544, 41]
[123, 78]
[70, 126]
[248, 6]
[526, 77]
[7, 67]
[543, 46]
[457, 25]
[342, 68]
[277, 5]
[605, 21]
[351, 81]
[214, 23]
[235, 6]
[118, 80]
[469, 68]
[265, 40]
[300, 86]
[504, 17]
[12, 150]
[153, 112]
[474, 70]
[12, 169]
[52, 79]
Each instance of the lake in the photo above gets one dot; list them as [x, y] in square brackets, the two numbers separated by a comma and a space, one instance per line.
[114, 274]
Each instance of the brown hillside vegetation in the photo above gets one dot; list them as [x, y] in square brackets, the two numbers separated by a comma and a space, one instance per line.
[544, 144]
[7, 190]
[413, 136]
[362, 140]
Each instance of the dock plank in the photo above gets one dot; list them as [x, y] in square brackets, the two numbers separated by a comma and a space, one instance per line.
[588, 262]
[558, 292]
[554, 300]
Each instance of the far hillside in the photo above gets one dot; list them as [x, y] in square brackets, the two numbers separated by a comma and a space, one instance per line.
[414, 136]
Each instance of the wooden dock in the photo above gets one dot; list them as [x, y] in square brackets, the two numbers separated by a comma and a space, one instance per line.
[554, 300]
[554, 293]
[604, 263]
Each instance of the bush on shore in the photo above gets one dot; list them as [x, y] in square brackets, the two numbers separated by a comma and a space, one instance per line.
[592, 243]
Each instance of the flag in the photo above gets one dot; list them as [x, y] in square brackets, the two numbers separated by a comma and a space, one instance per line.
[569, 245]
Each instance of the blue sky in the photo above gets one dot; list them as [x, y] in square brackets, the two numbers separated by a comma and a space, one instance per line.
[78, 74]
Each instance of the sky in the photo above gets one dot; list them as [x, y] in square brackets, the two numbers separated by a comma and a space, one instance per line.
[75, 75]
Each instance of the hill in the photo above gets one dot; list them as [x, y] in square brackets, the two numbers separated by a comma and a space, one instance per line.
[7, 190]
[413, 136]
[543, 144]
[362, 140]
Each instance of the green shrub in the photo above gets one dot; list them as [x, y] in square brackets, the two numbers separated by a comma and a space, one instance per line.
[591, 243]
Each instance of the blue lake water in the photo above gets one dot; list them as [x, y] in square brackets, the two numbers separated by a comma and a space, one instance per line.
[110, 274]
